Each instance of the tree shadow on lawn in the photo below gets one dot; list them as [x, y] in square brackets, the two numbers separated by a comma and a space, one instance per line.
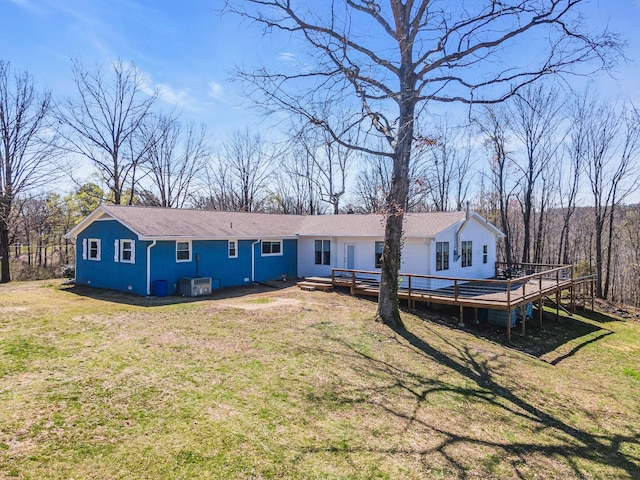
[599, 449]
[546, 341]
[114, 296]
[569, 443]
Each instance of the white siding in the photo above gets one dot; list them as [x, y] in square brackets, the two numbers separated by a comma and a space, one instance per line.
[479, 235]
[418, 255]
[307, 255]
[415, 255]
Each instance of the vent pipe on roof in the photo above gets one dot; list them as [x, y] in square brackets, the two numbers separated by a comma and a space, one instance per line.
[467, 217]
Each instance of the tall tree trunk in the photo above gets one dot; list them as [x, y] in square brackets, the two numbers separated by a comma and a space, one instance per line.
[388, 308]
[598, 235]
[607, 279]
[5, 275]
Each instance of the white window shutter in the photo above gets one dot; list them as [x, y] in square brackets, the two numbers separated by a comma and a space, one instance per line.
[116, 250]
[84, 248]
[133, 252]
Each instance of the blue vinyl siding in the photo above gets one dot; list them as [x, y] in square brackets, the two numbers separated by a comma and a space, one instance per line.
[276, 266]
[213, 262]
[106, 273]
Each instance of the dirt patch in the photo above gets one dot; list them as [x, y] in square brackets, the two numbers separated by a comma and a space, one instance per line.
[13, 309]
[260, 301]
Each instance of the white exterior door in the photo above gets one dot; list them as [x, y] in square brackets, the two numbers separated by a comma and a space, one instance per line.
[350, 256]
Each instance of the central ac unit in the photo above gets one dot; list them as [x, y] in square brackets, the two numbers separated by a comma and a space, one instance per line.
[195, 287]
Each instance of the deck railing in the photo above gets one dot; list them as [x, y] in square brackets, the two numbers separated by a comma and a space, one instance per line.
[519, 285]
[501, 293]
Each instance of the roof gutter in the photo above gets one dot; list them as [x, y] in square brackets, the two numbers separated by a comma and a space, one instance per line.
[149, 247]
[253, 260]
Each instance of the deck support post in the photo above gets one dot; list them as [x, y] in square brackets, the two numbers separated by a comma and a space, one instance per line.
[461, 322]
[573, 294]
[523, 312]
[509, 324]
[557, 305]
[475, 315]
[540, 302]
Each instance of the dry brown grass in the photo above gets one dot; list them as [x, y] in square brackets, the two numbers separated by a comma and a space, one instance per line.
[261, 383]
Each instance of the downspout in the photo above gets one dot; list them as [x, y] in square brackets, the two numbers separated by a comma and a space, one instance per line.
[253, 260]
[149, 247]
[459, 232]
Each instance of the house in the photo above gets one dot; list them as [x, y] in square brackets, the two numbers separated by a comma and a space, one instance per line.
[130, 248]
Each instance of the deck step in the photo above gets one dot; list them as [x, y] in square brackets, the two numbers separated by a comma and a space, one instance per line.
[322, 280]
[311, 286]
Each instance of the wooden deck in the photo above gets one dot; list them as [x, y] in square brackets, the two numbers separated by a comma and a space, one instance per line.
[496, 294]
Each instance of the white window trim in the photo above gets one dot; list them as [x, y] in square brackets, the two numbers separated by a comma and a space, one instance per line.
[133, 251]
[323, 242]
[280, 241]
[375, 253]
[443, 256]
[99, 248]
[190, 251]
[235, 241]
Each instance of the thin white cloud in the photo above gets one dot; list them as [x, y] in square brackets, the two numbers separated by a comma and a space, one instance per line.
[166, 93]
[216, 90]
[177, 97]
[286, 57]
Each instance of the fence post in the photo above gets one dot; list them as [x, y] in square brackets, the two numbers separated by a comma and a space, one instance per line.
[573, 293]
[353, 282]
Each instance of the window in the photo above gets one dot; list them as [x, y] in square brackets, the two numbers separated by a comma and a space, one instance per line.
[466, 254]
[94, 249]
[127, 251]
[183, 251]
[378, 257]
[442, 256]
[323, 252]
[232, 246]
[485, 254]
[273, 247]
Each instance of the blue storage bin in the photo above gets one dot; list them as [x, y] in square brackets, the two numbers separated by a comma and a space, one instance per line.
[160, 288]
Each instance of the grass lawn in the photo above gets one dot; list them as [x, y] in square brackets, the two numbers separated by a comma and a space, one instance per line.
[292, 384]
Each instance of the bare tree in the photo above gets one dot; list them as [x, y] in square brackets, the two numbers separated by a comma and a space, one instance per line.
[569, 183]
[535, 118]
[448, 167]
[330, 163]
[494, 126]
[104, 123]
[238, 180]
[176, 153]
[294, 187]
[613, 142]
[390, 57]
[27, 148]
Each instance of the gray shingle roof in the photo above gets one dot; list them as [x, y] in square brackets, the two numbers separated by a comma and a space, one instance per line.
[415, 224]
[154, 222]
[169, 222]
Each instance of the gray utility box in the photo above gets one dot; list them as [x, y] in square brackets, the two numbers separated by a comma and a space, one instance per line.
[195, 287]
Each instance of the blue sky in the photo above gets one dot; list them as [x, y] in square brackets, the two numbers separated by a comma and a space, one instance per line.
[183, 47]
[188, 52]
